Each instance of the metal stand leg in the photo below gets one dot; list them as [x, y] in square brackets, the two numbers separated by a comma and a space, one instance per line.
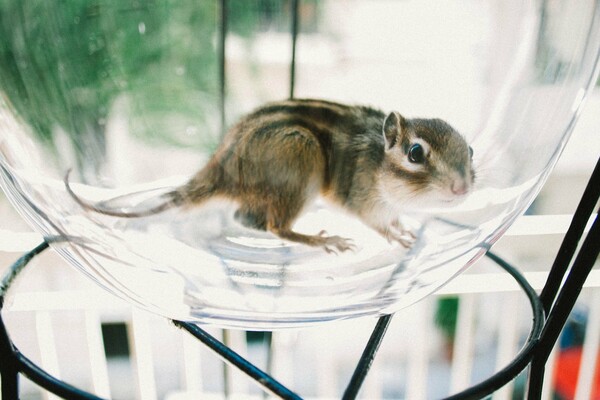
[9, 373]
[570, 290]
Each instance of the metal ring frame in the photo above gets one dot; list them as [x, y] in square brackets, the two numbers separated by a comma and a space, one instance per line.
[556, 299]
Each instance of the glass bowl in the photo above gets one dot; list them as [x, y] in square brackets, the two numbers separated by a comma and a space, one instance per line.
[134, 98]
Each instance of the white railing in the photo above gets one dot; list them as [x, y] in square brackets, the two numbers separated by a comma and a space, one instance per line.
[315, 362]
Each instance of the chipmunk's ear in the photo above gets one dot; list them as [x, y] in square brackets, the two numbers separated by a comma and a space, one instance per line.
[392, 129]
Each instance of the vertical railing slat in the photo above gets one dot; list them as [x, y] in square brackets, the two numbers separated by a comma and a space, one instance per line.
[142, 354]
[47, 346]
[192, 363]
[99, 367]
[282, 363]
[463, 344]
[418, 353]
[508, 337]
[236, 381]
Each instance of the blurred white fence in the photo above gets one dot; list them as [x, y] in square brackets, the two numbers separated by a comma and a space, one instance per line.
[316, 362]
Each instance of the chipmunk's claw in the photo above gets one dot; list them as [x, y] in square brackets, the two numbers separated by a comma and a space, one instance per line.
[336, 244]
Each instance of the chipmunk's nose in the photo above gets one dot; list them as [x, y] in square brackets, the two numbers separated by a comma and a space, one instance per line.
[459, 187]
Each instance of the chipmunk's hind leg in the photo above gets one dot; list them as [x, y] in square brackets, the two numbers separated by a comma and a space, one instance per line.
[280, 220]
[252, 217]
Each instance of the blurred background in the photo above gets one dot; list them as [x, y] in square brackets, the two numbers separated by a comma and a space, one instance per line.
[455, 338]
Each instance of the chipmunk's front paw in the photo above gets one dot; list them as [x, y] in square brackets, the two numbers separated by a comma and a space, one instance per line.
[399, 234]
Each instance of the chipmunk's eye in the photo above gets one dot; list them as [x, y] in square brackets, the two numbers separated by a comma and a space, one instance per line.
[416, 154]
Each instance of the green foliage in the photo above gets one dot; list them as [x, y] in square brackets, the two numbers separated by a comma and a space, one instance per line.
[45, 65]
[63, 63]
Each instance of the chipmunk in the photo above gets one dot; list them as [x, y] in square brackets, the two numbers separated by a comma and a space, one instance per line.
[280, 157]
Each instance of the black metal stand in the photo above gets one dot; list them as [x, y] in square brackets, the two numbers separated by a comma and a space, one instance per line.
[13, 362]
[556, 301]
